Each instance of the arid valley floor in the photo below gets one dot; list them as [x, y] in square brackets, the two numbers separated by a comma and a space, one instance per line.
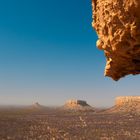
[58, 124]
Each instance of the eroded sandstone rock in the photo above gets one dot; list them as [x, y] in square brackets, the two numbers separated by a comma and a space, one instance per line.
[127, 100]
[72, 103]
[77, 105]
[127, 104]
[117, 23]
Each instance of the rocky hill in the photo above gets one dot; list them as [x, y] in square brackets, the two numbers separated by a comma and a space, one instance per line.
[77, 105]
[36, 106]
[117, 25]
[125, 104]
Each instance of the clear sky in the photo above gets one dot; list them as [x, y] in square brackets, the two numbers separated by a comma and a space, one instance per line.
[48, 54]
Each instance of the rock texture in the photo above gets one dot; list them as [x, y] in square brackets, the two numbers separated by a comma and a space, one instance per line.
[127, 100]
[77, 105]
[117, 23]
[127, 104]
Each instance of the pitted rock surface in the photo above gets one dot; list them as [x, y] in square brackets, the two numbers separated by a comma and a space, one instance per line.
[117, 23]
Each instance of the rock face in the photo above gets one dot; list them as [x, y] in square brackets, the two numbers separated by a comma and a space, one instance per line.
[73, 103]
[117, 23]
[127, 104]
[127, 100]
[77, 105]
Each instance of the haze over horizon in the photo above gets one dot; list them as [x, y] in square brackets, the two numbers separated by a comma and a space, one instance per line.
[48, 54]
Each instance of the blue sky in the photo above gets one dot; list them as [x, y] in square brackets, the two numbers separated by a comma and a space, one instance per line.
[48, 54]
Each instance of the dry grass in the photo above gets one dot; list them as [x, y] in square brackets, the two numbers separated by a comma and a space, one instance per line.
[21, 124]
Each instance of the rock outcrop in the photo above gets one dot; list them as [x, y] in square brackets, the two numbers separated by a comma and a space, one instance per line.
[77, 105]
[36, 106]
[117, 24]
[127, 100]
[129, 104]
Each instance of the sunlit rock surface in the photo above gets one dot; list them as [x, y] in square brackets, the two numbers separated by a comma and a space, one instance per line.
[77, 105]
[127, 100]
[127, 104]
[117, 23]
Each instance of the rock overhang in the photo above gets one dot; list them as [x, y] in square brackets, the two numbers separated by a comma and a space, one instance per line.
[117, 24]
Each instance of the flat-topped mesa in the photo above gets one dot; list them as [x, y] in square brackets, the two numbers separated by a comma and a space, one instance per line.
[73, 103]
[126, 104]
[117, 24]
[128, 100]
[77, 105]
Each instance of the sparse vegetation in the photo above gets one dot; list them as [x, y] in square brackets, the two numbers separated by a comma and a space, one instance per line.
[53, 124]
